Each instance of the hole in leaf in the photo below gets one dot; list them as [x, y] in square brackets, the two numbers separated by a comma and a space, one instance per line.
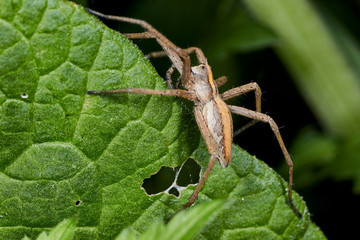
[172, 180]
[189, 173]
[174, 192]
[78, 203]
[160, 181]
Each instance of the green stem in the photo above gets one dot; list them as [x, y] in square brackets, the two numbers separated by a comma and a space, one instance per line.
[317, 65]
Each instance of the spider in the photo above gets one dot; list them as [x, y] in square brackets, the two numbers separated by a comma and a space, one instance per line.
[212, 114]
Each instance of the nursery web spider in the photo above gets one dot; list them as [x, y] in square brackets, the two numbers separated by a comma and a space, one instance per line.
[212, 114]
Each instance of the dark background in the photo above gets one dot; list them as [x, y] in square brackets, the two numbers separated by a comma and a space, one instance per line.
[331, 201]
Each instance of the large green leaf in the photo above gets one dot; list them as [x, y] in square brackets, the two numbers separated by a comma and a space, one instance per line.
[67, 154]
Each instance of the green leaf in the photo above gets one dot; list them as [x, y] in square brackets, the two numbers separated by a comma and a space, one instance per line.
[155, 231]
[127, 234]
[186, 225]
[62, 231]
[43, 236]
[66, 154]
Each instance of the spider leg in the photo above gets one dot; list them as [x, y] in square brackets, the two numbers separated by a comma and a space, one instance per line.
[156, 54]
[199, 54]
[221, 81]
[170, 92]
[169, 71]
[193, 197]
[169, 79]
[178, 56]
[239, 91]
[265, 118]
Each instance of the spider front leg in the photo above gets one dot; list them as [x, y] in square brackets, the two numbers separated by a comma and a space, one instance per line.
[199, 55]
[156, 54]
[170, 92]
[265, 118]
[145, 25]
[202, 60]
[177, 55]
[191, 50]
[169, 72]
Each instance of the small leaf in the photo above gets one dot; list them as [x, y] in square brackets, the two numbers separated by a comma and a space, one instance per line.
[43, 236]
[126, 234]
[186, 225]
[155, 231]
[63, 231]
